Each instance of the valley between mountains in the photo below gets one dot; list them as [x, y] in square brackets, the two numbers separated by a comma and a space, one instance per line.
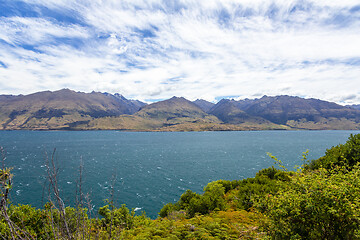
[69, 110]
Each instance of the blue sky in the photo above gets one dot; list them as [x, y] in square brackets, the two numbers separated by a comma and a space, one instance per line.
[150, 50]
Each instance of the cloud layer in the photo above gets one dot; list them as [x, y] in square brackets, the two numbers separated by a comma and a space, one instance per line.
[151, 50]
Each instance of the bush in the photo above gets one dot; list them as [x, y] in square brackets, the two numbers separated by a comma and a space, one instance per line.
[229, 185]
[191, 202]
[197, 205]
[266, 181]
[28, 219]
[214, 196]
[118, 217]
[185, 199]
[167, 210]
[316, 205]
[343, 155]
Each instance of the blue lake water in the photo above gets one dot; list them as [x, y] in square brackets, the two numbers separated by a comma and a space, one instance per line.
[152, 168]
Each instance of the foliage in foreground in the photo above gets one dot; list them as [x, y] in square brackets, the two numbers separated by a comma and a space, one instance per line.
[320, 200]
[343, 155]
[39, 224]
[318, 205]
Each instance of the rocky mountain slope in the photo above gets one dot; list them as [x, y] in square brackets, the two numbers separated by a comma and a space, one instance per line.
[174, 114]
[204, 105]
[60, 109]
[281, 109]
[354, 106]
[294, 112]
[229, 112]
[69, 110]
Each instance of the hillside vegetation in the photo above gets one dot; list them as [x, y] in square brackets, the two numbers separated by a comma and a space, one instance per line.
[318, 200]
[69, 110]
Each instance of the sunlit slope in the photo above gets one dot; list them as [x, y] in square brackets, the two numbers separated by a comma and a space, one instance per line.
[60, 109]
[293, 112]
[69, 110]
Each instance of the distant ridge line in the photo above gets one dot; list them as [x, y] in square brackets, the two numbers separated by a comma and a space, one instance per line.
[66, 109]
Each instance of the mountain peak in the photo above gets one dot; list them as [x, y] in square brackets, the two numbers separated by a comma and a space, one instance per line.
[204, 105]
[65, 108]
[177, 98]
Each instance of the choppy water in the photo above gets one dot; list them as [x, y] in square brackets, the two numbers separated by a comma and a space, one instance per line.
[151, 168]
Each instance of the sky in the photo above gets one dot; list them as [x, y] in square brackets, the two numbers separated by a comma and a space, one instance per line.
[199, 49]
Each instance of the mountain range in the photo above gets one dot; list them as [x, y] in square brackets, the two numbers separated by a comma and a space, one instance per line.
[354, 106]
[69, 110]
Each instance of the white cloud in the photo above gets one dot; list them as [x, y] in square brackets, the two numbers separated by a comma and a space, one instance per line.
[19, 30]
[196, 49]
[118, 46]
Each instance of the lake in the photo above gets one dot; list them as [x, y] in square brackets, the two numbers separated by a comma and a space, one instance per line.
[151, 168]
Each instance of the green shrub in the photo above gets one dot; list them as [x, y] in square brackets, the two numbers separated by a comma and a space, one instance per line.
[343, 155]
[228, 185]
[167, 210]
[316, 205]
[214, 196]
[197, 205]
[185, 199]
[266, 181]
[191, 202]
[118, 217]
